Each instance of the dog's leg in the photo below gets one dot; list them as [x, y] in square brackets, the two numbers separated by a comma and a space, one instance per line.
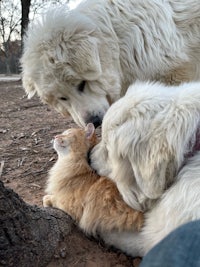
[129, 242]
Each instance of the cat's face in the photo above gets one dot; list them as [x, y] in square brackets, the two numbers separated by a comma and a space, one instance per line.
[75, 140]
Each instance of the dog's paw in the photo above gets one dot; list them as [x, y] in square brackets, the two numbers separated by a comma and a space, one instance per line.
[47, 201]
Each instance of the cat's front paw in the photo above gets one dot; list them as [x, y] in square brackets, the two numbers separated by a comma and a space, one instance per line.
[47, 201]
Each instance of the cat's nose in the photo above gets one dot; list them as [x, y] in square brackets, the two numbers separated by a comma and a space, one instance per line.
[58, 139]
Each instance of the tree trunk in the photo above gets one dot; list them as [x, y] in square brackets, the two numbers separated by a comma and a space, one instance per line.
[28, 235]
[8, 71]
[25, 17]
[34, 237]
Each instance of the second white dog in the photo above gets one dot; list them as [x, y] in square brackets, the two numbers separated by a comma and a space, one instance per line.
[146, 136]
[151, 142]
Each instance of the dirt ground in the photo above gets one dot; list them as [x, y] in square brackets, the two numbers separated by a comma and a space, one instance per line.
[26, 154]
[26, 130]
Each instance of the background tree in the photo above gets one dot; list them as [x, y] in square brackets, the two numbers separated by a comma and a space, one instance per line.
[9, 30]
[14, 14]
[25, 9]
[33, 7]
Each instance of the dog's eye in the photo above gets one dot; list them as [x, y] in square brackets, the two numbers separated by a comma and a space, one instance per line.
[63, 98]
[81, 86]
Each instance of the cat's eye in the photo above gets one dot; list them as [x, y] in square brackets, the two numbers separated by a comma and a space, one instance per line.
[81, 86]
[63, 98]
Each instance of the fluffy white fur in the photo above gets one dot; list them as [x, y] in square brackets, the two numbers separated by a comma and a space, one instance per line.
[145, 138]
[150, 138]
[108, 45]
[179, 204]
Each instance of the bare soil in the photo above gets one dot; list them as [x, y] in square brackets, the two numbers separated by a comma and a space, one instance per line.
[26, 155]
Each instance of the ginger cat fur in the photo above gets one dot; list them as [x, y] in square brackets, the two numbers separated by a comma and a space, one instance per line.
[94, 202]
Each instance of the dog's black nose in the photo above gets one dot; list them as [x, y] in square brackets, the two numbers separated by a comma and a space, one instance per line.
[95, 119]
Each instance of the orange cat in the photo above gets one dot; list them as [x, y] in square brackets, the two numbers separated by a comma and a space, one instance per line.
[93, 202]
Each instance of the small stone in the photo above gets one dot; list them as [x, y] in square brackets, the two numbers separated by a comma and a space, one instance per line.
[63, 253]
[56, 256]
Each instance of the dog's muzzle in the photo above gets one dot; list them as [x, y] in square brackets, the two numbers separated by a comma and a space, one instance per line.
[95, 119]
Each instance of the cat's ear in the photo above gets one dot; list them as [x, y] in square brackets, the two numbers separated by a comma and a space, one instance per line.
[89, 130]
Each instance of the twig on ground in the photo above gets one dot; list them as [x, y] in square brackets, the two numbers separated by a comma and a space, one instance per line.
[1, 167]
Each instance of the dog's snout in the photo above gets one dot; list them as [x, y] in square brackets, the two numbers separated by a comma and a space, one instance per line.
[95, 119]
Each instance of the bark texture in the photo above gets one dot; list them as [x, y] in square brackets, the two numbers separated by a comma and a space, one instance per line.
[29, 235]
[25, 4]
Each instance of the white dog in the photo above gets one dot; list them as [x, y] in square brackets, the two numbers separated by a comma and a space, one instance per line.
[179, 204]
[151, 138]
[146, 136]
[81, 61]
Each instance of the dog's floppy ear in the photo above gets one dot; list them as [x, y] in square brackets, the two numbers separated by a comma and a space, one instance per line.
[84, 57]
[154, 164]
[151, 176]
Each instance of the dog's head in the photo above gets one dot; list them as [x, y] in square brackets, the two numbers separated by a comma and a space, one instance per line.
[146, 138]
[68, 62]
